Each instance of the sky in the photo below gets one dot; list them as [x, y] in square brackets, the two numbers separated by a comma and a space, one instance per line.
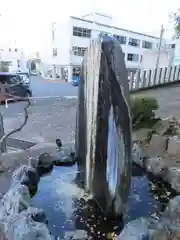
[26, 21]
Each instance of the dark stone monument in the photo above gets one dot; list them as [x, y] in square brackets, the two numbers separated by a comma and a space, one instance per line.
[103, 129]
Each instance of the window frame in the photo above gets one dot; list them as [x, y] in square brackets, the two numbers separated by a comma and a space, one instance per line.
[133, 60]
[134, 42]
[82, 32]
[78, 51]
[121, 39]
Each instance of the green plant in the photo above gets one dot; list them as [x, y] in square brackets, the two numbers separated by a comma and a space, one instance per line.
[143, 115]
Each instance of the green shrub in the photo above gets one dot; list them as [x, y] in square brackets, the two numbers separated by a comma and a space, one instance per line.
[143, 115]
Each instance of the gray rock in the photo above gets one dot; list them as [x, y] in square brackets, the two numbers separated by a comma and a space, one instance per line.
[161, 126]
[45, 163]
[26, 175]
[21, 226]
[76, 235]
[173, 178]
[173, 145]
[158, 145]
[135, 230]
[37, 214]
[137, 155]
[156, 166]
[64, 156]
[18, 220]
[172, 211]
[165, 234]
[14, 201]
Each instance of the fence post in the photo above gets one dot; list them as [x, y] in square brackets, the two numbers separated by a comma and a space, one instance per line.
[3, 144]
[160, 76]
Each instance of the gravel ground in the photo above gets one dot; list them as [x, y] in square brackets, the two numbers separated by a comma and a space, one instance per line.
[48, 119]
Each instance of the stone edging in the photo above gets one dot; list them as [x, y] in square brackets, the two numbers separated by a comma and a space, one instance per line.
[157, 167]
[18, 219]
[165, 225]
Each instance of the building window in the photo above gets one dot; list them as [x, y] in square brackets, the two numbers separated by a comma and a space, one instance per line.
[9, 49]
[134, 42]
[121, 39]
[132, 57]
[78, 51]
[15, 49]
[173, 46]
[81, 32]
[54, 53]
[147, 45]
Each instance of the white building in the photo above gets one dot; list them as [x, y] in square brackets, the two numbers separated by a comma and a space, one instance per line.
[15, 58]
[71, 38]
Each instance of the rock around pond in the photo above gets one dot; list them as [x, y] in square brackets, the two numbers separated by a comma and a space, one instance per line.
[69, 215]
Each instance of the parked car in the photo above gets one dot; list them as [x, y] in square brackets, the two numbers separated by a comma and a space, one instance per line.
[25, 77]
[14, 85]
[75, 81]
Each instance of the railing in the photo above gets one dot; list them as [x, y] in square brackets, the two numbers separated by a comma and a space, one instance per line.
[153, 78]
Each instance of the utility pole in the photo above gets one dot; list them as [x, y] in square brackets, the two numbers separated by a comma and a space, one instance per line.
[159, 48]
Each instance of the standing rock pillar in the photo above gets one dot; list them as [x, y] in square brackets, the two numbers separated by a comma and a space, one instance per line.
[103, 132]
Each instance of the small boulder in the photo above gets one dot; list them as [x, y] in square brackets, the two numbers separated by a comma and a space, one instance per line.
[65, 156]
[21, 226]
[173, 146]
[135, 230]
[173, 178]
[157, 145]
[172, 211]
[45, 163]
[37, 214]
[161, 127]
[137, 155]
[61, 160]
[14, 201]
[27, 176]
[156, 166]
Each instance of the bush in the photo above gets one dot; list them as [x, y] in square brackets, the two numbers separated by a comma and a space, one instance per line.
[143, 115]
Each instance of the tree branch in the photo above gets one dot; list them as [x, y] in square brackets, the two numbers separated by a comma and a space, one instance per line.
[5, 95]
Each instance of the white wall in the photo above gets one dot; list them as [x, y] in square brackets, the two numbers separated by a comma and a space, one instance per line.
[149, 59]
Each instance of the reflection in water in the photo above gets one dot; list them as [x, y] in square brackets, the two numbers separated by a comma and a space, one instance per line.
[67, 211]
